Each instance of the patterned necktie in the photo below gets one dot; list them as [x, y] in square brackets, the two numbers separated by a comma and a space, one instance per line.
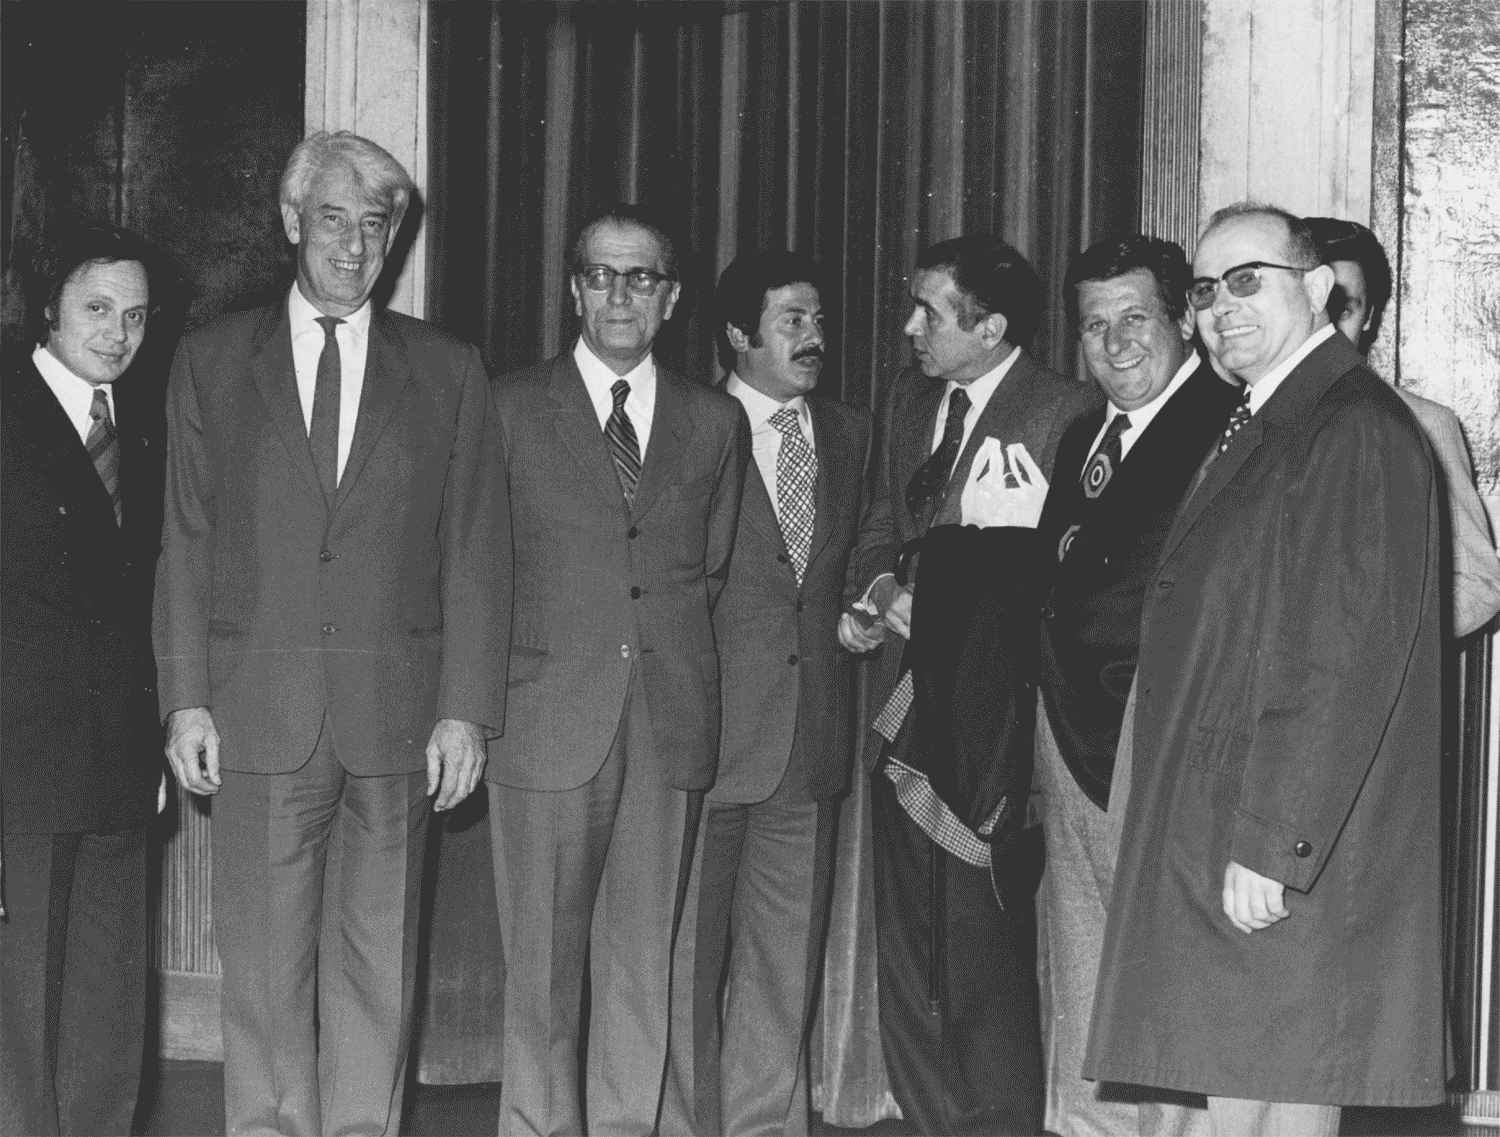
[323, 436]
[1101, 467]
[796, 471]
[104, 448]
[1237, 419]
[932, 475]
[619, 436]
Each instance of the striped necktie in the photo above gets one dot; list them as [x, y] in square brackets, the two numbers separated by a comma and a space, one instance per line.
[104, 448]
[796, 472]
[619, 436]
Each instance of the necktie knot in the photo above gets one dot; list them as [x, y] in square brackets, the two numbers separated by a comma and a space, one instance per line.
[329, 323]
[621, 392]
[99, 408]
[958, 407]
[785, 420]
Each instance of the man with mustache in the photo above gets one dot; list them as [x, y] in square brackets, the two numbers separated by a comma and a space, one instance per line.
[958, 995]
[763, 858]
[1275, 929]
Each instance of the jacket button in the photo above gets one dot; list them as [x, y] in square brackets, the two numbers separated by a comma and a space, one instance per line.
[1164, 584]
[329, 629]
[783, 558]
[799, 605]
[792, 660]
[1302, 849]
[325, 556]
[635, 593]
[633, 533]
[624, 651]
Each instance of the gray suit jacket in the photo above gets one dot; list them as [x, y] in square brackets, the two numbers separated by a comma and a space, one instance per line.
[601, 589]
[786, 680]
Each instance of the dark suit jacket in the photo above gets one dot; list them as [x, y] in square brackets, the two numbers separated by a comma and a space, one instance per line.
[388, 607]
[1288, 718]
[786, 680]
[78, 728]
[1031, 406]
[601, 589]
[1091, 614]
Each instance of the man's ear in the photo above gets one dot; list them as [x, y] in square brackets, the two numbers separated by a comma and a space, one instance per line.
[1187, 324]
[1319, 283]
[992, 330]
[672, 301]
[577, 295]
[291, 222]
[738, 340]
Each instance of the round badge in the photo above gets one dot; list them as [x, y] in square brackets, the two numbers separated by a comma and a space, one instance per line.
[1097, 476]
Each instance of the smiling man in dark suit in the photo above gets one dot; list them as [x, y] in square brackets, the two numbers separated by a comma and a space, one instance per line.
[332, 616]
[763, 860]
[958, 1024]
[1120, 473]
[625, 482]
[80, 507]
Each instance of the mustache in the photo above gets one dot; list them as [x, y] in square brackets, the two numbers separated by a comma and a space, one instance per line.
[812, 352]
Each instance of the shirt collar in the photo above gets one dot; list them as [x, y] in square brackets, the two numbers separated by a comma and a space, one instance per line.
[1144, 414]
[980, 390]
[759, 407]
[1273, 378]
[74, 393]
[303, 315]
[597, 373]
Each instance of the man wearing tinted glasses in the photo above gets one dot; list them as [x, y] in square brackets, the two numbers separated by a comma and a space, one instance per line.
[1275, 932]
[625, 483]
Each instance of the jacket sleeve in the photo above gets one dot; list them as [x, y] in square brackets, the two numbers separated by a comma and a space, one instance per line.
[724, 511]
[1476, 568]
[474, 536]
[875, 546]
[183, 599]
[1355, 596]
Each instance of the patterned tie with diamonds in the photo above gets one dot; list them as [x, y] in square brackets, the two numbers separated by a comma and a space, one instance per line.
[932, 475]
[104, 448]
[1106, 460]
[1237, 419]
[796, 473]
[619, 436]
[323, 436]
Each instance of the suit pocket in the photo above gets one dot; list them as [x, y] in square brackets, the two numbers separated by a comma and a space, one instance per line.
[684, 491]
[1218, 750]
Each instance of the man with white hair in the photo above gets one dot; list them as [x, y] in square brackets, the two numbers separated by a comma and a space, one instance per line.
[331, 627]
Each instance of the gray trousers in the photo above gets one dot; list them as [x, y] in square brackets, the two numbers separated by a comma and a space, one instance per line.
[317, 882]
[590, 877]
[753, 927]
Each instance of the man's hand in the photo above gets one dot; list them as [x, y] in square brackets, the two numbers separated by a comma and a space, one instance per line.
[193, 750]
[893, 602]
[857, 637]
[455, 759]
[1252, 901]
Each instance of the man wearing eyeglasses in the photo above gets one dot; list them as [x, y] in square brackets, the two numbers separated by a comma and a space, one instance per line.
[1273, 938]
[625, 482]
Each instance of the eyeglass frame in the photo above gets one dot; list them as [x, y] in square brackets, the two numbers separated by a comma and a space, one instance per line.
[657, 278]
[1223, 278]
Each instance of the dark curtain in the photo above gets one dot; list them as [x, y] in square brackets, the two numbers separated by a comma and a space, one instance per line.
[857, 131]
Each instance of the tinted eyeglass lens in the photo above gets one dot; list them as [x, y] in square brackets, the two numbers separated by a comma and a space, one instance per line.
[601, 278]
[1241, 282]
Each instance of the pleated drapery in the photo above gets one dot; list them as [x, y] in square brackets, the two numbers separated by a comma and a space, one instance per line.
[859, 132]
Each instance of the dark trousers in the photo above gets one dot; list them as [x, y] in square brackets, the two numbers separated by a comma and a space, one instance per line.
[72, 981]
[591, 876]
[318, 979]
[969, 1061]
[753, 928]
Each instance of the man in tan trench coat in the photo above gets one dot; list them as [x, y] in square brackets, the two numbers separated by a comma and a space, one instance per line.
[1275, 931]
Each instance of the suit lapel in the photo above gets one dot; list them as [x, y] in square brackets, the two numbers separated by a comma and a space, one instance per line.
[1213, 478]
[834, 470]
[577, 425]
[387, 371]
[671, 427]
[60, 443]
[275, 378]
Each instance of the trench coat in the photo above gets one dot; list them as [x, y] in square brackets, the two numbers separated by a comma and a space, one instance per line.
[1288, 719]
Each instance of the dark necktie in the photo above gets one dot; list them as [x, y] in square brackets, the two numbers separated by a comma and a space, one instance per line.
[619, 436]
[932, 475]
[1237, 419]
[796, 472]
[323, 437]
[1106, 460]
[104, 448]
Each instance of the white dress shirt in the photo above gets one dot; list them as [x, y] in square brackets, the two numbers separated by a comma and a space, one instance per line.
[640, 404]
[353, 337]
[76, 395]
[1273, 378]
[765, 439]
[979, 392]
[1141, 417]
